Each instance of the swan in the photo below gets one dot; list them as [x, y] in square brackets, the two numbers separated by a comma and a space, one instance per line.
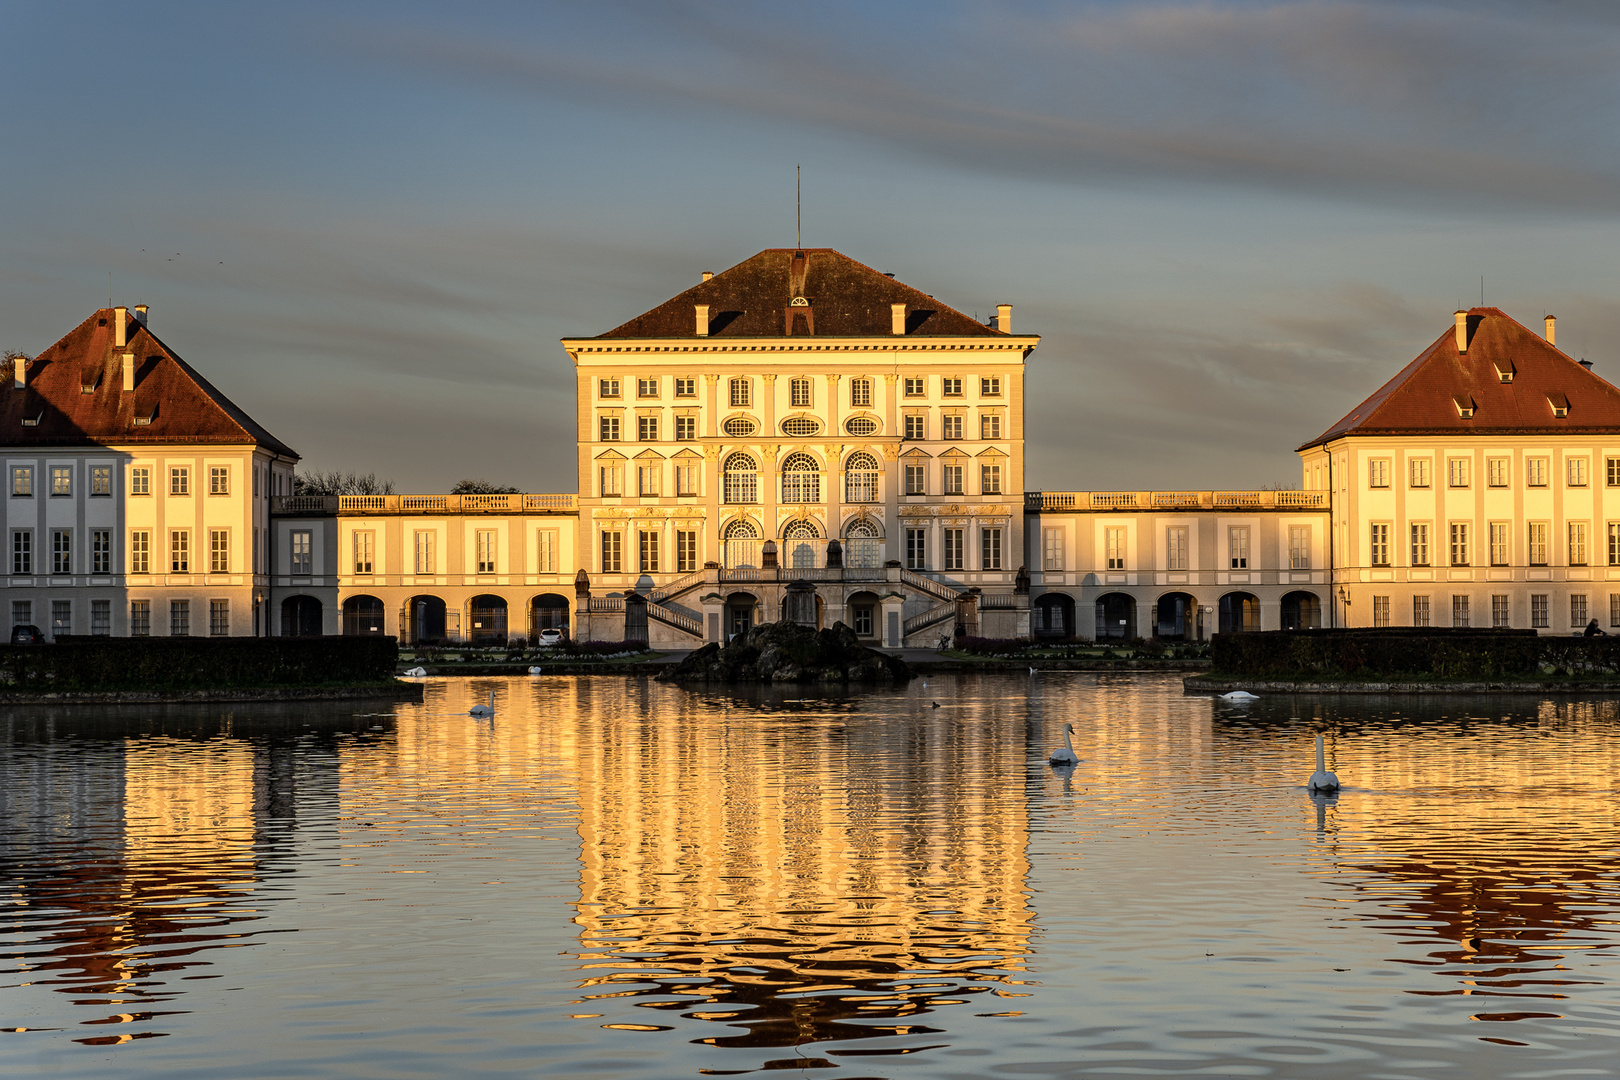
[1240, 695]
[416, 672]
[1065, 756]
[1321, 779]
[534, 670]
[484, 711]
[1032, 670]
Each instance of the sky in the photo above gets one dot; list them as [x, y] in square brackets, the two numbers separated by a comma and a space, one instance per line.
[369, 224]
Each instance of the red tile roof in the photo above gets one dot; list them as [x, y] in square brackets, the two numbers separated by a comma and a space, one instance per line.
[1430, 395]
[181, 405]
[846, 299]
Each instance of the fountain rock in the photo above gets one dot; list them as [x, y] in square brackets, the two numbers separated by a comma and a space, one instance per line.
[786, 652]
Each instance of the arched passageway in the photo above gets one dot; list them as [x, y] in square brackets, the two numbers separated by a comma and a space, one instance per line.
[548, 611]
[1301, 611]
[1240, 613]
[363, 617]
[424, 619]
[487, 614]
[301, 617]
[1116, 616]
[1053, 615]
[1176, 616]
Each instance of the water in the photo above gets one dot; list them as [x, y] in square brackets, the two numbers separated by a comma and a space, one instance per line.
[619, 879]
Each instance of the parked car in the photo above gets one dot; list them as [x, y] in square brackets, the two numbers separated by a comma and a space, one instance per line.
[27, 635]
[550, 638]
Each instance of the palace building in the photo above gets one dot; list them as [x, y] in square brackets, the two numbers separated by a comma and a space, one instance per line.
[804, 437]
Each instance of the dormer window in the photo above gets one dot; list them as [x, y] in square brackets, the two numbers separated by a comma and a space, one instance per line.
[1504, 371]
[1560, 405]
[1465, 407]
[32, 421]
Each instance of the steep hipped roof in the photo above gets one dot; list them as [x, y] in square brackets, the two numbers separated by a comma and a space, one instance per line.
[179, 404]
[846, 298]
[1449, 390]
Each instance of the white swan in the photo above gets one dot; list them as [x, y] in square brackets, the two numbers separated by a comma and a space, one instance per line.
[416, 672]
[1065, 755]
[1321, 779]
[1240, 695]
[484, 712]
[534, 670]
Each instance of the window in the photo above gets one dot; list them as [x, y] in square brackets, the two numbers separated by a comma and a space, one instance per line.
[648, 479]
[1577, 609]
[364, 551]
[1457, 472]
[1051, 549]
[180, 480]
[950, 386]
[1299, 547]
[101, 551]
[140, 552]
[484, 542]
[219, 551]
[302, 551]
[101, 617]
[646, 388]
[608, 388]
[61, 551]
[916, 386]
[1237, 544]
[916, 426]
[1420, 611]
[950, 426]
[22, 480]
[799, 393]
[1535, 472]
[61, 618]
[1378, 473]
[1538, 611]
[180, 552]
[738, 427]
[1577, 543]
[609, 429]
[1459, 610]
[546, 552]
[740, 480]
[990, 386]
[1613, 470]
[61, 480]
[1459, 544]
[1419, 472]
[685, 551]
[685, 387]
[140, 618]
[861, 426]
[990, 549]
[612, 479]
[179, 618]
[612, 552]
[1420, 544]
[1500, 617]
[22, 612]
[1380, 610]
[101, 480]
[423, 542]
[860, 393]
[1378, 547]
[951, 557]
[951, 478]
[801, 479]
[22, 551]
[1496, 472]
[1538, 543]
[1499, 543]
[219, 618]
[685, 428]
[741, 393]
[219, 480]
[860, 478]
[800, 426]
[990, 426]
[649, 551]
[686, 480]
[990, 479]
[1614, 543]
[916, 479]
[1175, 547]
[1614, 609]
[916, 549]
[140, 481]
[1575, 472]
[647, 428]
[1114, 547]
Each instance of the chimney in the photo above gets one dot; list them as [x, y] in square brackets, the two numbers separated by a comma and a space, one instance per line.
[19, 372]
[702, 319]
[707, 274]
[129, 372]
[120, 330]
[897, 319]
[1552, 329]
[1462, 331]
[1004, 318]
[140, 314]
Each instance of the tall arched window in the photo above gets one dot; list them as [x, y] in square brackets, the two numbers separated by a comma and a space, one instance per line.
[740, 476]
[739, 544]
[801, 479]
[860, 478]
[800, 541]
[862, 545]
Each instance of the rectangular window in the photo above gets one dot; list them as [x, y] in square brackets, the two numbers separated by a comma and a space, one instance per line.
[61, 618]
[1500, 615]
[219, 551]
[1577, 543]
[1496, 472]
[685, 428]
[647, 428]
[1537, 550]
[916, 549]
[1459, 610]
[101, 617]
[1500, 553]
[22, 480]
[608, 428]
[685, 387]
[950, 426]
[484, 542]
[61, 480]
[303, 552]
[990, 479]
[1051, 549]
[1380, 611]
[364, 552]
[990, 549]
[1535, 472]
[22, 613]
[546, 552]
[1378, 546]
[219, 480]
[608, 388]
[1378, 473]
[22, 551]
[916, 479]
[950, 386]
[686, 480]
[951, 477]
[990, 386]
[990, 426]
[101, 551]
[799, 393]
[916, 386]
[1457, 472]
[1420, 544]
[1420, 611]
[648, 479]
[1419, 471]
[646, 388]
[140, 618]
[1538, 611]
[1114, 548]
[179, 618]
[1175, 548]
[612, 480]
[219, 618]
[1459, 544]
[686, 551]
[951, 557]
[1613, 471]
[180, 480]
[1577, 610]
[1237, 545]
[649, 551]
[140, 551]
[742, 393]
[1299, 547]
[1614, 543]
[101, 480]
[423, 542]
[860, 393]
[61, 551]
[1614, 609]
[612, 553]
[180, 552]
[916, 427]
[140, 481]
[1575, 471]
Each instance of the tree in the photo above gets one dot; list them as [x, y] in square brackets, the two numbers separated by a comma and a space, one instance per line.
[316, 482]
[480, 487]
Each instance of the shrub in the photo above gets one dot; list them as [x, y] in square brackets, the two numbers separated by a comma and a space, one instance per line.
[184, 663]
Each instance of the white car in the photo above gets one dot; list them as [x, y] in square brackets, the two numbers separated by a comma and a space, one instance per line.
[550, 638]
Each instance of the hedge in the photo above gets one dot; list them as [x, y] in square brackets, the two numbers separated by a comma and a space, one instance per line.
[1407, 652]
[185, 663]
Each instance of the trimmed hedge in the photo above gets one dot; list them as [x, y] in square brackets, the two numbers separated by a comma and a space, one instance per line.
[1412, 653]
[185, 663]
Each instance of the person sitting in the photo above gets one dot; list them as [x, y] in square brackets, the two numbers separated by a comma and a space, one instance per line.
[1592, 630]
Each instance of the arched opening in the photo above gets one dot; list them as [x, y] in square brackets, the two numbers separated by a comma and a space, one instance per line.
[300, 617]
[863, 609]
[488, 616]
[424, 617]
[1053, 615]
[740, 479]
[739, 545]
[801, 479]
[801, 540]
[548, 611]
[1240, 613]
[1301, 611]
[863, 544]
[363, 616]
[860, 478]
[740, 613]
[1116, 616]
[1176, 616]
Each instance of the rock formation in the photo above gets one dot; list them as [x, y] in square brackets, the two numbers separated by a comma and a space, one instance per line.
[785, 652]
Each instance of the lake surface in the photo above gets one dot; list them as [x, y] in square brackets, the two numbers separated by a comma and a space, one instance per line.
[615, 878]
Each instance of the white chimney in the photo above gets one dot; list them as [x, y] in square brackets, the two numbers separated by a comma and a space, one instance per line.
[140, 314]
[707, 274]
[702, 319]
[129, 372]
[1462, 331]
[1552, 329]
[120, 330]
[897, 319]
[19, 372]
[1004, 318]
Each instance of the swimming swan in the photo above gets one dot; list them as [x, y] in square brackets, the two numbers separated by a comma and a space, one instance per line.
[1065, 756]
[534, 670]
[416, 672]
[1321, 779]
[1240, 695]
[484, 712]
